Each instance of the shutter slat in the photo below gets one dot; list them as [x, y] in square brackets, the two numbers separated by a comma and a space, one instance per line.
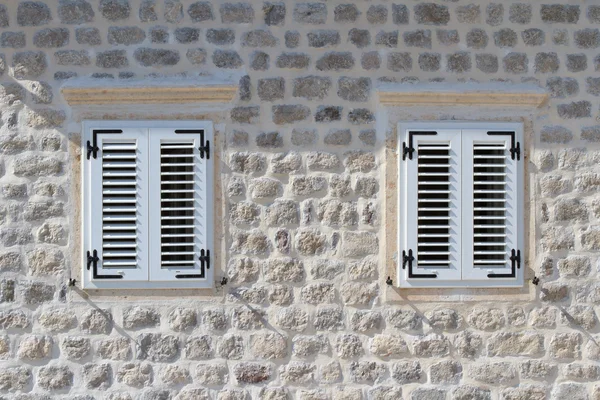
[120, 193]
[179, 195]
[488, 190]
[436, 159]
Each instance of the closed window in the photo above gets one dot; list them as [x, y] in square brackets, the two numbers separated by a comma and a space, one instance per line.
[461, 203]
[147, 204]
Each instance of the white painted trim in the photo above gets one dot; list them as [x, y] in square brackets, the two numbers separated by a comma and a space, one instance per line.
[86, 176]
[403, 221]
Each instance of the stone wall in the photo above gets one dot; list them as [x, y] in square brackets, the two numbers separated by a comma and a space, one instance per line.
[305, 313]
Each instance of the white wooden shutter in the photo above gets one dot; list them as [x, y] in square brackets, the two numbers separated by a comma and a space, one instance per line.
[491, 183]
[431, 208]
[116, 199]
[180, 216]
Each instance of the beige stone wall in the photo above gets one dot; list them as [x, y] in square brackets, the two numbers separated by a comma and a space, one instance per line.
[305, 167]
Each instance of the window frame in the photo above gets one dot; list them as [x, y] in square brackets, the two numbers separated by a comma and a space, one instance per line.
[403, 203]
[87, 182]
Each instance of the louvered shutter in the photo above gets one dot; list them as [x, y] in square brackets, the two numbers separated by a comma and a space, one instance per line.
[491, 189]
[179, 205]
[431, 208]
[116, 199]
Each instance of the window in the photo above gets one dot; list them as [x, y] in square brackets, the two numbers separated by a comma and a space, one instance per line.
[147, 204]
[461, 205]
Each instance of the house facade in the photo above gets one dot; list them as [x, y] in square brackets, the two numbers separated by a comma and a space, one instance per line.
[299, 200]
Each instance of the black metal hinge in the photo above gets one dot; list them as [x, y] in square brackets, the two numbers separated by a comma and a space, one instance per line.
[204, 265]
[92, 147]
[515, 261]
[407, 259]
[515, 147]
[408, 150]
[92, 261]
[204, 145]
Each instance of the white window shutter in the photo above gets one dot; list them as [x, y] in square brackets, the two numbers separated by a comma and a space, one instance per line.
[492, 226]
[180, 198]
[116, 206]
[430, 204]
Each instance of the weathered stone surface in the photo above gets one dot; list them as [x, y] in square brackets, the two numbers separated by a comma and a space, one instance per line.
[516, 344]
[268, 345]
[33, 13]
[114, 10]
[444, 319]
[392, 346]
[14, 319]
[354, 89]
[55, 377]
[269, 140]
[431, 14]
[97, 376]
[533, 37]
[406, 372]
[387, 39]
[486, 319]
[15, 378]
[16, 40]
[310, 13]
[247, 372]
[262, 188]
[149, 57]
[51, 37]
[29, 64]
[546, 62]
[399, 62]
[137, 317]
[493, 373]
[200, 11]
[136, 375]
[335, 61]
[356, 244]
[199, 347]
[158, 347]
[477, 39]
[311, 87]
[57, 320]
[370, 60]
[271, 89]
[468, 392]
[289, 113]
[575, 110]
[35, 347]
[75, 348]
[574, 391]
[126, 35]
[89, 36]
[559, 13]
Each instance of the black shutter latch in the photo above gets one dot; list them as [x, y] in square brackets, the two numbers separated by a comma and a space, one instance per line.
[407, 258]
[204, 265]
[205, 148]
[92, 261]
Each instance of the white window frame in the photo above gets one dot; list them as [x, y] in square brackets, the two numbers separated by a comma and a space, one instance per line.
[92, 220]
[407, 208]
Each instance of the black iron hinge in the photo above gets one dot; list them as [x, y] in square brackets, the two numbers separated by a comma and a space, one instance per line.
[204, 265]
[515, 261]
[92, 261]
[515, 147]
[408, 150]
[407, 259]
[92, 147]
[204, 145]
